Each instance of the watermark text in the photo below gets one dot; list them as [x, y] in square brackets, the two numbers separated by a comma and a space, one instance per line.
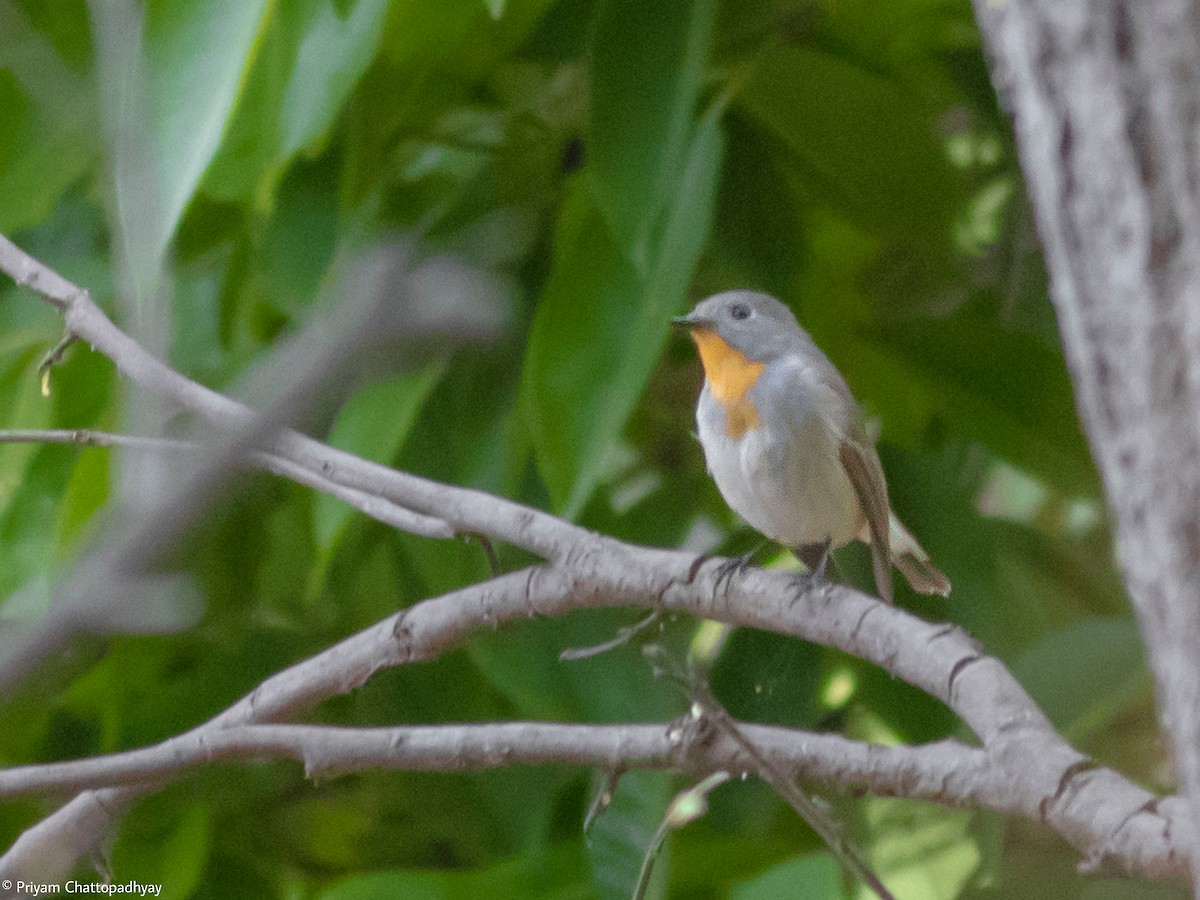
[115, 888]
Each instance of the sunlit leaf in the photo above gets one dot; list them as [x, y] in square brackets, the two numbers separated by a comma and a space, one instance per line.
[333, 53]
[173, 92]
[918, 850]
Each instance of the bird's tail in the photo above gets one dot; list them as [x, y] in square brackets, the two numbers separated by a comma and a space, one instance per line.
[913, 562]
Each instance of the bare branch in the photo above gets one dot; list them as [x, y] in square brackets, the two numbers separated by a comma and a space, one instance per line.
[1095, 808]
[329, 752]
[29, 272]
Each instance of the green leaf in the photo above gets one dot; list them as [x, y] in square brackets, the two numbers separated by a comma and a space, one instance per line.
[176, 862]
[600, 327]
[1086, 674]
[311, 58]
[524, 664]
[32, 477]
[813, 877]
[919, 850]
[327, 828]
[455, 43]
[174, 99]
[22, 406]
[647, 62]
[859, 140]
[470, 434]
[332, 56]
[621, 834]
[1002, 387]
[1035, 867]
[86, 493]
[47, 121]
[579, 337]
[554, 876]
[758, 232]
[374, 424]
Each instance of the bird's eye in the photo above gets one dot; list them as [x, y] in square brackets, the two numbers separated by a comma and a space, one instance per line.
[739, 311]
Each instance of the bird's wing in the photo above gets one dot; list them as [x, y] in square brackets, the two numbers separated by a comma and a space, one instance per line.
[825, 392]
[861, 463]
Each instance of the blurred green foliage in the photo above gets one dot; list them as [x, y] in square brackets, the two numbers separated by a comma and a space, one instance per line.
[608, 162]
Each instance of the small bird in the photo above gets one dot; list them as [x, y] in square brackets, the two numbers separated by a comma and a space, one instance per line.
[787, 443]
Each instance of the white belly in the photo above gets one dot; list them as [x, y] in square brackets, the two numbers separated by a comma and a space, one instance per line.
[792, 488]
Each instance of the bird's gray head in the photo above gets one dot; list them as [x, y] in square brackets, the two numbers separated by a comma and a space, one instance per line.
[757, 325]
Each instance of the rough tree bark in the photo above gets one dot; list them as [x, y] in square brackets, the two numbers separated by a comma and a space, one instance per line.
[1105, 98]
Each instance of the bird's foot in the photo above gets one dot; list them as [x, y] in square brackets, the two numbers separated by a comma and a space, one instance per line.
[804, 583]
[730, 568]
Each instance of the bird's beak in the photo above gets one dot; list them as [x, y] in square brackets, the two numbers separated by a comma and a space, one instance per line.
[691, 321]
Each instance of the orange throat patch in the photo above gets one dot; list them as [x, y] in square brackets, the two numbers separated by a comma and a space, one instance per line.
[730, 376]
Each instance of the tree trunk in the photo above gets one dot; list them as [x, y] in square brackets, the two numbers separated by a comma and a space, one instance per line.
[1105, 98]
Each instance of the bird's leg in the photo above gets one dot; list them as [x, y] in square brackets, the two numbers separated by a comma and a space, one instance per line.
[816, 561]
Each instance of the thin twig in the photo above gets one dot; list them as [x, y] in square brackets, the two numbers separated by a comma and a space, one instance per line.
[376, 507]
